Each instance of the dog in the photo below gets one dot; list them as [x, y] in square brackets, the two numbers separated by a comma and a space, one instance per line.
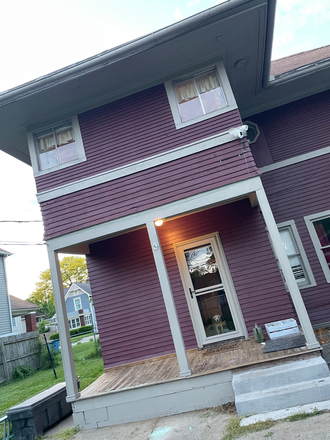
[217, 322]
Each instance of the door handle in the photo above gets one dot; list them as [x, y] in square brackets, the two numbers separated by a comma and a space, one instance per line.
[191, 293]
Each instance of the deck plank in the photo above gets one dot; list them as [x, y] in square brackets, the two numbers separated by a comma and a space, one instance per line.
[165, 368]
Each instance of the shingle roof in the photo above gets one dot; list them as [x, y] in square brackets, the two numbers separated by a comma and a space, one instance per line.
[21, 304]
[3, 252]
[84, 286]
[298, 60]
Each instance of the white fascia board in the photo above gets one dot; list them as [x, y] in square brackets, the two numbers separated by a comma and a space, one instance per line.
[144, 164]
[184, 206]
[294, 160]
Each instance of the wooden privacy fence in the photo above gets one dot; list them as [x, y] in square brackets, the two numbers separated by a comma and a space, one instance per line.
[17, 350]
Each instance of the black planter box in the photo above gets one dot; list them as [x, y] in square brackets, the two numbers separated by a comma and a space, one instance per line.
[30, 418]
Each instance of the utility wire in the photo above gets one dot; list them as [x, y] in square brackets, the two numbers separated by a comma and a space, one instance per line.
[17, 243]
[20, 221]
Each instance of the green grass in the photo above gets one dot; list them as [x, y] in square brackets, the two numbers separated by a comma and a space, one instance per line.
[88, 366]
[303, 415]
[67, 434]
[77, 338]
[234, 430]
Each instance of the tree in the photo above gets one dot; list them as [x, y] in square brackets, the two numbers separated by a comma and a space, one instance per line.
[73, 270]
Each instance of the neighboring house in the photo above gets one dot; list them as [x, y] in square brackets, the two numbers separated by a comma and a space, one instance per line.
[80, 310]
[5, 311]
[153, 132]
[24, 315]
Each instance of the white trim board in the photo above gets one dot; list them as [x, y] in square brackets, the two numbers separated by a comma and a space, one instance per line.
[294, 160]
[204, 200]
[144, 164]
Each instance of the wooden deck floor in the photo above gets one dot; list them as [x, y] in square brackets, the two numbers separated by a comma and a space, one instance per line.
[165, 368]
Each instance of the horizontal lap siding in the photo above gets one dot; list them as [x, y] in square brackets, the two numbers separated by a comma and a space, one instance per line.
[129, 307]
[128, 301]
[298, 127]
[251, 261]
[131, 129]
[294, 192]
[165, 183]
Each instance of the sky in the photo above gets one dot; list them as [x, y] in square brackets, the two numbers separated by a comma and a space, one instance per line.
[40, 36]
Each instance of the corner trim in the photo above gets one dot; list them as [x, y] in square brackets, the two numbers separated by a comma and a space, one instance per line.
[294, 160]
[140, 165]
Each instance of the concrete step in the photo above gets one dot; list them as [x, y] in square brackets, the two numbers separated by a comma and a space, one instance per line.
[277, 387]
[283, 397]
[263, 378]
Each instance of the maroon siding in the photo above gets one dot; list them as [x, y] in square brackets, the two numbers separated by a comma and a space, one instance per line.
[165, 183]
[131, 129]
[294, 192]
[295, 128]
[130, 310]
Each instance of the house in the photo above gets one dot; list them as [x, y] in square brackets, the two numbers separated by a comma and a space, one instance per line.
[80, 310]
[197, 186]
[24, 315]
[5, 310]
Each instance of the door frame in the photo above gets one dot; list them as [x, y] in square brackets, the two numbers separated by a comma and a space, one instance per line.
[228, 286]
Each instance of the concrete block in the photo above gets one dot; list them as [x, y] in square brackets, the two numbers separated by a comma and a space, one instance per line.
[79, 419]
[283, 397]
[259, 379]
[96, 415]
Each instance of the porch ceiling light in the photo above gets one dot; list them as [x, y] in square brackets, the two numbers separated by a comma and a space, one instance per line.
[159, 222]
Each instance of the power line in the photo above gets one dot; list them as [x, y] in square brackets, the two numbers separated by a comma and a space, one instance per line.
[20, 221]
[17, 243]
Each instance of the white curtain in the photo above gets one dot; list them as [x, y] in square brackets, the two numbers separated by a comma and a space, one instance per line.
[64, 136]
[186, 91]
[46, 143]
[207, 82]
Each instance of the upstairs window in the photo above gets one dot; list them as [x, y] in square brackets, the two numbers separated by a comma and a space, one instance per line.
[200, 95]
[56, 147]
[77, 304]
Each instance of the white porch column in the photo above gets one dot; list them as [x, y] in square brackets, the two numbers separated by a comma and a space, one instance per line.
[311, 341]
[169, 300]
[63, 328]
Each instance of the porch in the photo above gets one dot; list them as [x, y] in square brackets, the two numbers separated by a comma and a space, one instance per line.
[146, 308]
[153, 387]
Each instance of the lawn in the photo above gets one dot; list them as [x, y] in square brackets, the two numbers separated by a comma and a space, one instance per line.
[89, 367]
[77, 338]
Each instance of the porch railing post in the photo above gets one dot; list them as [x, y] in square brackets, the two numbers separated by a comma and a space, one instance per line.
[169, 300]
[63, 328]
[311, 341]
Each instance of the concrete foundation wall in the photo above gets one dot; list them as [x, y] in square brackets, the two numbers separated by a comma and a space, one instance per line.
[142, 403]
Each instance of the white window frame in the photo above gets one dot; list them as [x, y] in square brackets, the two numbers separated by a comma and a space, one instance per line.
[301, 254]
[74, 302]
[33, 147]
[89, 317]
[228, 286]
[310, 219]
[225, 85]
